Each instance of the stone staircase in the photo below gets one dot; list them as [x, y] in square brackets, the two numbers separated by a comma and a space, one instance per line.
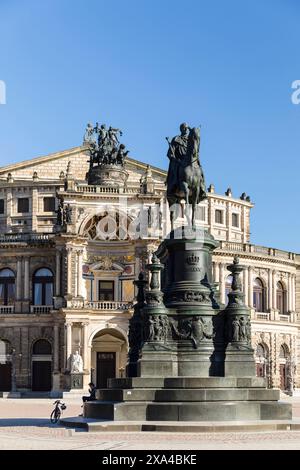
[188, 399]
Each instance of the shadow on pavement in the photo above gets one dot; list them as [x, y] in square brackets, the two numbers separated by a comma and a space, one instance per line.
[42, 422]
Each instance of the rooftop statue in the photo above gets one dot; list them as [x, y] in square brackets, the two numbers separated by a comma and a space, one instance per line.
[104, 145]
[185, 180]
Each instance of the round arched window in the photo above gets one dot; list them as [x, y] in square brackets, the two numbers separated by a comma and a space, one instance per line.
[43, 287]
[281, 298]
[284, 352]
[261, 351]
[41, 346]
[7, 287]
[258, 295]
[5, 349]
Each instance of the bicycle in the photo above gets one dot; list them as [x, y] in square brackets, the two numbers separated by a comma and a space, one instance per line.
[56, 413]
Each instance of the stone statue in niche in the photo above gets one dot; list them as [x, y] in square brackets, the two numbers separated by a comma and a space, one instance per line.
[157, 328]
[76, 363]
[235, 330]
[243, 326]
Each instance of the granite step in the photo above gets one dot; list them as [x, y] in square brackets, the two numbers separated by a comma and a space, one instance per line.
[95, 425]
[190, 395]
[187, 382]
[188, 411]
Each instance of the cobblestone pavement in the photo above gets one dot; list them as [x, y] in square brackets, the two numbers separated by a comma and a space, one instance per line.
[24, 424]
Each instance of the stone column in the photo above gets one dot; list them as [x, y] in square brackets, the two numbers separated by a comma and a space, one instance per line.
[58, 274]
[250, 287]
[69, 343]
[69, 270]
[274, 289]
[210, 214]
[34, 208]
[222, 282]
[244, 224]
[294, 292]
[270, 290]
[9, 208]
[56, 349]
[19, 279]
[246, 286]
[289, 293]
[79, 273]
[228, 221]
[216, 272]
[85, 347]
[26, 279]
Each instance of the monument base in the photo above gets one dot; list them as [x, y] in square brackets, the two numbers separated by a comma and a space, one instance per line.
[239, 363]
[107, 175]
[194, 360]
[180, 364]
[76, 381]
[188, 399]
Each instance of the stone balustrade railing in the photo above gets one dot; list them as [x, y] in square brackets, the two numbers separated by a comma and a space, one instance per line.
[87, 188]
[26, 237]
[37, 309]
[108, 305]
[263, 250]
[274, 315]
[7, 309]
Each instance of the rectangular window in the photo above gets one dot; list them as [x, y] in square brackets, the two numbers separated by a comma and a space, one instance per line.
[235, 220]
[23, 205]
[219, 216]
[49, 204]
[1, 206]
[106, 290]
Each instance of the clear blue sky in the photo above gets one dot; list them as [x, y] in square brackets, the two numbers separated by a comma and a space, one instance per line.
[147, 65]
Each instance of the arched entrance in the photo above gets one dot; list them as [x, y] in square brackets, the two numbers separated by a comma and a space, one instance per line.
[262, 359]
[41, 366]
[109, 355]
[5, 366]
[284, 356]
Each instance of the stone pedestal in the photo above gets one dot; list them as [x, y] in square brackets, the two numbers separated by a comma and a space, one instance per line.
[179, 322]
[189, 359]
[76, 381]
[107, 175]
[239, 355]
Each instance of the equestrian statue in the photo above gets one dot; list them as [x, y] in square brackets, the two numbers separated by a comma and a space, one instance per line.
[185, 180]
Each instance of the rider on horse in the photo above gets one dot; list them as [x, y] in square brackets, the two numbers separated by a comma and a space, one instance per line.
[185, 180]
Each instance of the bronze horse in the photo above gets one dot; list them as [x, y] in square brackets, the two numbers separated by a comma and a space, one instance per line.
[191, 183]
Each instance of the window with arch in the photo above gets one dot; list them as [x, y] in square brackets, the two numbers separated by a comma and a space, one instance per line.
[228, 286]
[281, 298]
[43, 287]
[259, 295]
[5, 349]
[284, 352]
[7, 287]
[42, 346]
[261, 351]
[262, 365]
[108, 226]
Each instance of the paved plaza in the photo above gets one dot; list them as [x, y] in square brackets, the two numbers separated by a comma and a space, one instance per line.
[24, 424]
